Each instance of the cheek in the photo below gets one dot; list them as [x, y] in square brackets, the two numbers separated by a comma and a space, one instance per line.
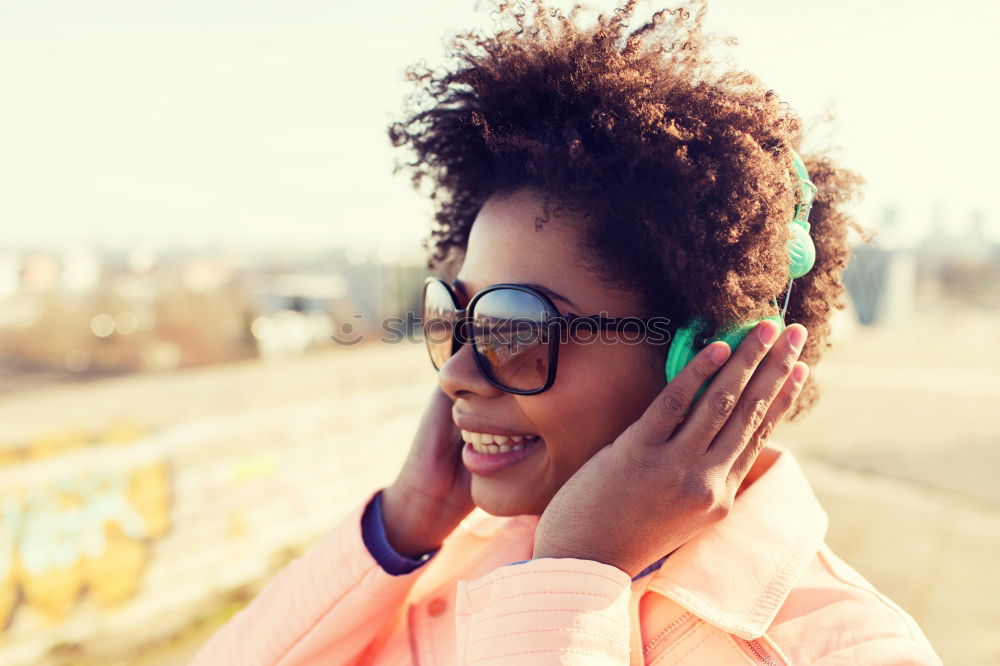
[600, 390]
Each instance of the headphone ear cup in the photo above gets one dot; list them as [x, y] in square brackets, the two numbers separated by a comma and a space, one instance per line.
[735, 336]
[681, 349]
[801, 251]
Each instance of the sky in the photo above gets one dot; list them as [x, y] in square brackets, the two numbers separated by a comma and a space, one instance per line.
[263, 124]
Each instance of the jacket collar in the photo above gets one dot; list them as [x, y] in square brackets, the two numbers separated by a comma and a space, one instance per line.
[737, 573]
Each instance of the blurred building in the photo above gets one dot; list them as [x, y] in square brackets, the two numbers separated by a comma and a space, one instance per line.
[889, 280]
[84, 313]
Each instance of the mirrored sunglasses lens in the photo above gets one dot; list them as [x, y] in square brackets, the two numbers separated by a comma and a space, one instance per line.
[438, 323]
[511, 329]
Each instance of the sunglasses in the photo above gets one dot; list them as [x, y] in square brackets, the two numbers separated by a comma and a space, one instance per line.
[515, 332]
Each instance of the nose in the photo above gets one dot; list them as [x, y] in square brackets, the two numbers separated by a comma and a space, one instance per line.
[460, 377]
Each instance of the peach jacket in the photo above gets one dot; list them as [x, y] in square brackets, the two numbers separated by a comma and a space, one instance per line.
[759, 587]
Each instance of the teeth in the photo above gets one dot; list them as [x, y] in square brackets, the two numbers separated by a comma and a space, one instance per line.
[484, 442]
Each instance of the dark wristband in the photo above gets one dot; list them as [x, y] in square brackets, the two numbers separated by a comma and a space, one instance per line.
[373, 534]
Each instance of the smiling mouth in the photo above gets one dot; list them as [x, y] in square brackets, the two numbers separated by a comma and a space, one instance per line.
[491, 444]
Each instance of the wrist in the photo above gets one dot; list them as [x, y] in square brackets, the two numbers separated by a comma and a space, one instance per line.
[410, 525]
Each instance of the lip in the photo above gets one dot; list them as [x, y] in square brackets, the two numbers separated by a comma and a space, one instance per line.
[473, 424]
[488, 464]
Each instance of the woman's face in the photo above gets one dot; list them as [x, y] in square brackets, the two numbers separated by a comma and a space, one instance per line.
[601, 386]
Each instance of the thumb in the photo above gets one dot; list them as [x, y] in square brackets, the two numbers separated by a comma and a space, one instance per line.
[437, 423]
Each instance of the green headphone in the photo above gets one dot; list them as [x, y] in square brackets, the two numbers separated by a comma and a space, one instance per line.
[802, 256]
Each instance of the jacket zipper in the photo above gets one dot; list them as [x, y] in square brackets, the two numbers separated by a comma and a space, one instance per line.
[685, 621]
[757, 650]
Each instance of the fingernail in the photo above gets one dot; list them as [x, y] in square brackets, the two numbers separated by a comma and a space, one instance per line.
[799, 372]
[719, 354]
[767, 332]
[797, 336]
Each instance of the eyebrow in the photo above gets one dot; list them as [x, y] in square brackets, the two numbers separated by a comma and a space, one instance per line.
[554, 295]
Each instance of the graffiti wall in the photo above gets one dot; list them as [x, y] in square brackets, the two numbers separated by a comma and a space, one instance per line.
[122, 530]
[86, 531]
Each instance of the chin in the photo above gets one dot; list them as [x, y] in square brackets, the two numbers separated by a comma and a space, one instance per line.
[497, 499]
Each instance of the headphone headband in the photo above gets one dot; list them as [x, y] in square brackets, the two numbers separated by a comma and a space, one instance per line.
[807, 191]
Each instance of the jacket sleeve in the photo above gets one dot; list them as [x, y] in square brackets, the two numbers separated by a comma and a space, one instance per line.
[545, 612]
[329, 604]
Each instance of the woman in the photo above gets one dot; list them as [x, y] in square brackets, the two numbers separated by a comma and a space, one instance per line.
[612, 199]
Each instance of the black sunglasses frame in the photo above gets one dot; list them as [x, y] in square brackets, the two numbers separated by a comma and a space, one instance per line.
[463, 323]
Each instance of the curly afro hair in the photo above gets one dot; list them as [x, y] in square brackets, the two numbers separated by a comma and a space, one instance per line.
[683, 162]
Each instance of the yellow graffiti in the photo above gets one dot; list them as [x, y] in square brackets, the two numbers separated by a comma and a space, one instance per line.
[89, 532]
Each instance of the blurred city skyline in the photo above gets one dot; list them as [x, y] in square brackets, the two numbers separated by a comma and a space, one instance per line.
[216, 123]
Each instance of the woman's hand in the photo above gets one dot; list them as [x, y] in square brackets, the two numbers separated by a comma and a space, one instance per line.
[430, 496]
[668, 476]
